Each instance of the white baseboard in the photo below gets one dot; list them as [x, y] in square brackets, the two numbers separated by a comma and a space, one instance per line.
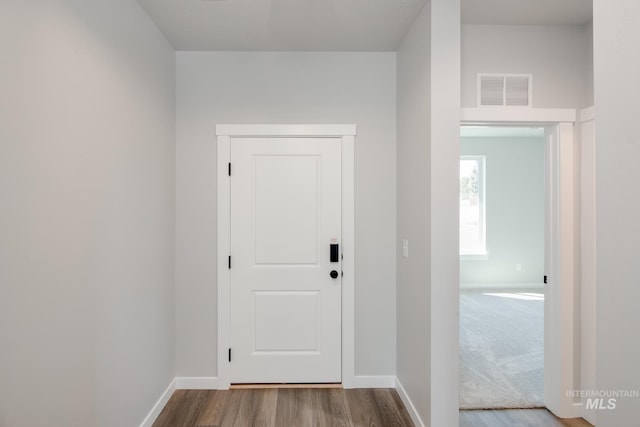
[374, 381]
[408, 404]
[196, 383]
[157, 408]
[179, 383]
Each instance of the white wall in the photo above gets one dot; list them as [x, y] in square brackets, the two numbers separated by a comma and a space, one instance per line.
[557, 56]
[428, 183]
[515, 201]
[589, 64]
[587, 273]
[215, 88]
[414, 217]
[86, 230]
[617, 65]
[445, 187]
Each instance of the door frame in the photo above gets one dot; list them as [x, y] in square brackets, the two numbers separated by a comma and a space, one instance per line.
[225, 135]
[560, 234]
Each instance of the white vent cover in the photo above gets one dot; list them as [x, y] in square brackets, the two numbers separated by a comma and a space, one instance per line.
[504, 90]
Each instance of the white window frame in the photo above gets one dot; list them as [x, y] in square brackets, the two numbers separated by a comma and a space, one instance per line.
[482, 201]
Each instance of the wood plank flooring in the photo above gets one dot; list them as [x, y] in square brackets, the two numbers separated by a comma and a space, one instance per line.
[284, 407]
[318, 407]
[517, 418]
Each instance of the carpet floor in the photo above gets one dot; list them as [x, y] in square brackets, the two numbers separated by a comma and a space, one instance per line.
[501, 349]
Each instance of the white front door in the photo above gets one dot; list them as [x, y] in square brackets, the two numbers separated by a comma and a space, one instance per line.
[285, 305]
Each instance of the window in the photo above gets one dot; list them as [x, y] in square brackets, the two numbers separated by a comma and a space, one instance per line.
[472, 206]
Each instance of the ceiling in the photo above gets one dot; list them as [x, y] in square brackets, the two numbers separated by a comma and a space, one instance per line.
[284, 25]
[330, 25]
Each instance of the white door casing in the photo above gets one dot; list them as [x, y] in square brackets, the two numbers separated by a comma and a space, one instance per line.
[287, 262]
[559, 321]
[559, 292]
[587, 294]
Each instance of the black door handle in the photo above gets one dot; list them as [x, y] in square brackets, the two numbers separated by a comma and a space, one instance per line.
[333, 274]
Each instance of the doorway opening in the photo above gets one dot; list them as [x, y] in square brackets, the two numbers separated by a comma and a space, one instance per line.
[502, 265]
[559, 245]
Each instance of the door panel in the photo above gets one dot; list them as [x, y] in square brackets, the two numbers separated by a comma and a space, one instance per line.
[285, 308]
[287, 321]
[286, 209]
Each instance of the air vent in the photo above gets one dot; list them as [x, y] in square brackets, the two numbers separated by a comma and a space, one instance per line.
[504, 90]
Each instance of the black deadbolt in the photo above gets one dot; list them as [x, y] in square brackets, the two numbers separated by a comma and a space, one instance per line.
[334, 253]
[333, 274]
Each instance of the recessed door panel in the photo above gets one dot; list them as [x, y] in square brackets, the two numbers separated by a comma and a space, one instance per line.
[286, 209]
[287, 321]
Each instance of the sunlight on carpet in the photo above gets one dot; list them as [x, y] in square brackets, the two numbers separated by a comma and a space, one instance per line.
[501, 349]
[520, 295]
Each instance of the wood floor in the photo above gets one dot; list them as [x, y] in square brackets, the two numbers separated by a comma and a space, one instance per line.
[317, 407]
[284, 408]
[517, 418]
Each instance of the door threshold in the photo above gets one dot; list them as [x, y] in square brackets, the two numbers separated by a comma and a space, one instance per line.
[283, 385]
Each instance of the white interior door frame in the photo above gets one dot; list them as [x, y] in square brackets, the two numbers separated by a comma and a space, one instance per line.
[225, 135]
[560, 235]
[587, 292]
[560, 304]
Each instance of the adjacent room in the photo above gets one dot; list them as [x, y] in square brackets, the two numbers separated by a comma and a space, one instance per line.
[502, 229]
